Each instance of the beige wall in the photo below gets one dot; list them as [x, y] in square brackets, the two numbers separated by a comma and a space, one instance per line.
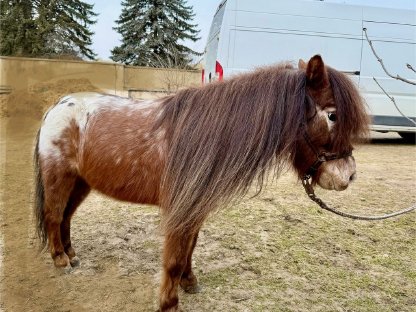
[21, 73]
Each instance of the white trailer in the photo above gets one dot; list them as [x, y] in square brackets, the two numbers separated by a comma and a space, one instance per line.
[246, 34]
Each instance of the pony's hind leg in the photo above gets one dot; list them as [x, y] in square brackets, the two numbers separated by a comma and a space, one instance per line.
[189, 282]
[175, 254]
[58, 183]
[79, 193]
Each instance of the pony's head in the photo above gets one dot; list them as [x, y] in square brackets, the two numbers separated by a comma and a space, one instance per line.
[335, 118]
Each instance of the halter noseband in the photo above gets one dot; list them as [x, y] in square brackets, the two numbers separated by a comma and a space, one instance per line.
[321, 157]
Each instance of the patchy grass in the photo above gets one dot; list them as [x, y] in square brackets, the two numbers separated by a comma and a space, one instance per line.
[284, 254]
[274, 252]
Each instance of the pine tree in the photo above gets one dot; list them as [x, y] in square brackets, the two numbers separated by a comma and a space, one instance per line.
[63, 27]
[153, 32]
[46, 28]
[17, 27]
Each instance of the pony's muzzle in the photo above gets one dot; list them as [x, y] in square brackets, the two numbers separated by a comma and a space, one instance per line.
[344, 183]
[337, 174]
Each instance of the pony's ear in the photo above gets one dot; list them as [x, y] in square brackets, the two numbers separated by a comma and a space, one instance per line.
[302, 64]
[316, 74]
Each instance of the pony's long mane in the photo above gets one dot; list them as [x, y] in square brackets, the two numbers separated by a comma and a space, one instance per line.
[223, 136]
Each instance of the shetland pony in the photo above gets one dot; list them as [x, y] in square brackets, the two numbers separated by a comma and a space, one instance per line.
[192, 152]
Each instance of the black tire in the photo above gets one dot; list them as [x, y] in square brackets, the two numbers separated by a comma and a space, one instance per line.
[408, 136]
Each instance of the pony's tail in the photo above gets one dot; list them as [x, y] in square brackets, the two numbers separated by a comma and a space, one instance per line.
[39, 197]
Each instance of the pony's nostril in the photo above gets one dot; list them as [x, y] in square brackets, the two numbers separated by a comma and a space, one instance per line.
[353, 177]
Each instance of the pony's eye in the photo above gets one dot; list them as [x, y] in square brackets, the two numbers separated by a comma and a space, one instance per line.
[332, 117]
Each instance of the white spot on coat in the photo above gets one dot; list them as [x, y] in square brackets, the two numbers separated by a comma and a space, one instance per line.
[118, 160]
[323, 113]
[86, 105]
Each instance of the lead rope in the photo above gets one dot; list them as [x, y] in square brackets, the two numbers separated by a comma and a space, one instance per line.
[311, 193]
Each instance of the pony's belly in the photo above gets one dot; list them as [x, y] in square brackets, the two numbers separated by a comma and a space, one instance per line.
[135, 189]
[138, 196]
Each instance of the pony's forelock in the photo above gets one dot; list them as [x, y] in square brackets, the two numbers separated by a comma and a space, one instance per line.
[353, 120]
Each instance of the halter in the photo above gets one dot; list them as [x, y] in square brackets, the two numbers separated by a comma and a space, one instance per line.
[321, 157]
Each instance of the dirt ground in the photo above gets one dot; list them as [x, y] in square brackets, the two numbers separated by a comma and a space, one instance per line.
[273, 252]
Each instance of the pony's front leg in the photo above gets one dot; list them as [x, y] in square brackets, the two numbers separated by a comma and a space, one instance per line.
[189, 282]
[175, 255]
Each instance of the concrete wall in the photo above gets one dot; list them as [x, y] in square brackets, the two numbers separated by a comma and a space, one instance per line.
[21, 73]
[153, 81]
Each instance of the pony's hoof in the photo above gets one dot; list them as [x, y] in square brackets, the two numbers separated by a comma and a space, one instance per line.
[74, 262]
[65, 270]
[189, 284]
[61, 260]
[192, 289]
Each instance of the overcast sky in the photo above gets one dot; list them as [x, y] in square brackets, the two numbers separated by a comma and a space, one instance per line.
[105, 38]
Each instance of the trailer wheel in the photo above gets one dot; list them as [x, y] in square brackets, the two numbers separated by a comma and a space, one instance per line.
[408, 136]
